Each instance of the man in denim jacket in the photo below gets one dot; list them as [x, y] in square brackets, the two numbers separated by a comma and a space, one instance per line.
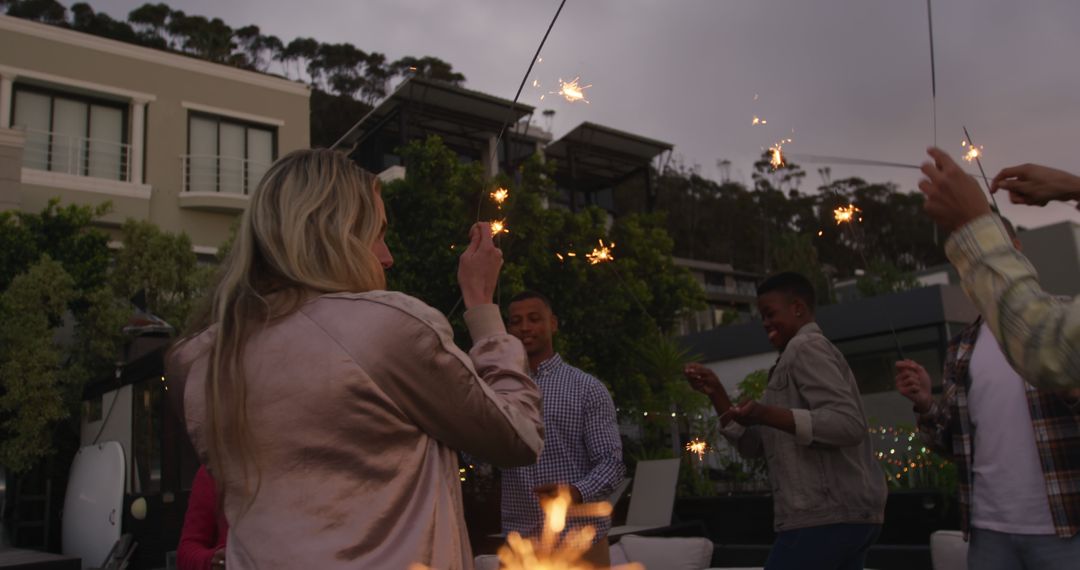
[828, 490]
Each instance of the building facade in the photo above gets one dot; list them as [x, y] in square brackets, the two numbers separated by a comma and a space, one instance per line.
[164, 137]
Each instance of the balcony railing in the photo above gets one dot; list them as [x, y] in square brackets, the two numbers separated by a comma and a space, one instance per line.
[225, 174]
[78, 156]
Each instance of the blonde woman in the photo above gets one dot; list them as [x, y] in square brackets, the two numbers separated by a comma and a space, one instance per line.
[329, 409]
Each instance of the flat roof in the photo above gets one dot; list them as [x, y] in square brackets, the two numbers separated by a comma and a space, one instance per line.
[925, 306]
[448, 104]
[603, 153]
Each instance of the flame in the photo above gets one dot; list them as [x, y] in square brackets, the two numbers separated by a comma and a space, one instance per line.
[600, 254]
[572, 91]
[498, 227]
[973, 152]
[846, 214]
[500, 195]
[697, 446]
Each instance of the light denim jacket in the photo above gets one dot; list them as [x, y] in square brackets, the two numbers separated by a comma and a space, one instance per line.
[826, 472]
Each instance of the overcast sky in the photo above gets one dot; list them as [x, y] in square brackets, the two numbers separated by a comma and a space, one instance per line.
[851, 77]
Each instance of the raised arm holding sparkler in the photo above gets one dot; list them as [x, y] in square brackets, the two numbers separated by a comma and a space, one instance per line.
[1039, 334]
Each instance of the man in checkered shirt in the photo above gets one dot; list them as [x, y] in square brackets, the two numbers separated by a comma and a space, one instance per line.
[582, 448]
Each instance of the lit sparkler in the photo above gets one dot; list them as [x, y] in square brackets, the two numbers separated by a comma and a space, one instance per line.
[973, 152]
[776, 154]
[572, 91]
[500, 195]
[698, 447]
[846, 214]
[499, 227]
[600, 254]
[553, 550]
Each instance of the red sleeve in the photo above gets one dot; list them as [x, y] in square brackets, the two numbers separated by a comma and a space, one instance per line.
[199, 537]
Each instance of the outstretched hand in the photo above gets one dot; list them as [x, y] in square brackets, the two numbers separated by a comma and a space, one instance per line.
[1036, 185]
[953, 198]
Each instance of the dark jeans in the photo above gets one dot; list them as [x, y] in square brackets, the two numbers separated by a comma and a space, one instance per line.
[828, 547]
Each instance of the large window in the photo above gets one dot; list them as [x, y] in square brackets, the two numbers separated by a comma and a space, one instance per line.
[72, 134]
[226, 155]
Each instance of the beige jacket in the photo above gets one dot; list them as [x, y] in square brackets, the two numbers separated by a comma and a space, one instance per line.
[826, 472]
[357, 403]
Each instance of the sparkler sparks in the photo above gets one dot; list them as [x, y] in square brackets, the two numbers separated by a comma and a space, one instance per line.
[500, 195]
[572, 91]
[498, 227]
[759, 121]
[600, 254]
[776, 154]
[551, 551]
[698, 447]
[846, 214]
[973, 152]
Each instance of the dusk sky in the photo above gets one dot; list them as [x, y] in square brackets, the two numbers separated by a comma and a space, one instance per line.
[851, 77]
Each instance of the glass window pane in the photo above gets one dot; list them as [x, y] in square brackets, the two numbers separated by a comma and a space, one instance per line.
[32, 115]
[108, 155]
[260, 153]
[69, 136]
[231, 160]
[202, 159]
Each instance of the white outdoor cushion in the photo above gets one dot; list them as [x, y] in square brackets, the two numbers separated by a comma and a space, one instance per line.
[487, 562]
[948, 551]
[668, 553]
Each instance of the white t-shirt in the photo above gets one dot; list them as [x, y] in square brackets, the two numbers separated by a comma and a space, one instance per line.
[1008, 483]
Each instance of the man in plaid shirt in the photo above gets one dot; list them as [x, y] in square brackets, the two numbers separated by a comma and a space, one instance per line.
[1016, 448]
[582, 448]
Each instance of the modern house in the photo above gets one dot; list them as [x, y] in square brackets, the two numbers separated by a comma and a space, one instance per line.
[164, 137]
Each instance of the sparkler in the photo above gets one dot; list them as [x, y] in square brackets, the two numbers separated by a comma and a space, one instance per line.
[933, 68]
[499, 227]
[845, 214]
[551, 552]
[776, 154]
[499, 196]
[974, 153]
[601, 254]
[699, 447]
[572, 91]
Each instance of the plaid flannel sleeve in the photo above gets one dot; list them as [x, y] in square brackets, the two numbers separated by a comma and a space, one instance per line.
[1039, 333]
[935, 428]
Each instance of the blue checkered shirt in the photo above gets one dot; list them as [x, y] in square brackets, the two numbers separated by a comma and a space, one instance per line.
[581, 447]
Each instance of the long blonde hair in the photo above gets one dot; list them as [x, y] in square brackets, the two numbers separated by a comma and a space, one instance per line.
[309, 229]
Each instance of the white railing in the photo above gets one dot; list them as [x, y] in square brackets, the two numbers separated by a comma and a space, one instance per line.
[78, 156]
[225, 174]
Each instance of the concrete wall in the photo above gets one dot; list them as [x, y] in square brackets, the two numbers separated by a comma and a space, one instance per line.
[1054, 250]
[176, 84]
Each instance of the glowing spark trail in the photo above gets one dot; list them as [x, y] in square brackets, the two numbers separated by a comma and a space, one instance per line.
[759, 121]
[698, 447]
[776, 154]
[600, 254]
[572, 91]
[845, 214]
[973, 152]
